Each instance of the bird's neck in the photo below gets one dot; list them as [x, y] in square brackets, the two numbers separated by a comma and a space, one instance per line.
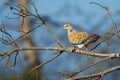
[70, 30]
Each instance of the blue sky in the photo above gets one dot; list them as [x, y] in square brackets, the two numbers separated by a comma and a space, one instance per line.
[87, 11]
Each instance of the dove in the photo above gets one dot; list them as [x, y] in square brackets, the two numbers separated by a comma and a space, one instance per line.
[80, 39]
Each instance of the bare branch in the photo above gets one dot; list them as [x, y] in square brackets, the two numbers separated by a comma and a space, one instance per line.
[105, 39]
[99, 75]
[49, 28]
[40, 65]
[66, 49]
[110, 16]
[90, 65]
[24, 12]
[5, 67]
[22, 36]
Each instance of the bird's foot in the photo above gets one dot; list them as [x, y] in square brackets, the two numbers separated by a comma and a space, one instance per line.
[76, 48]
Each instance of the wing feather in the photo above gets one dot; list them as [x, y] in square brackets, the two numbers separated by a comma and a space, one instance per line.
[77, 37]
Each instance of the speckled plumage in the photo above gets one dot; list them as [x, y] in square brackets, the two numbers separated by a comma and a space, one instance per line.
[77, 37]
[80, 39]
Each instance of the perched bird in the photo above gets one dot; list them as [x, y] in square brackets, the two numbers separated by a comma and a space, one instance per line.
[80, 39]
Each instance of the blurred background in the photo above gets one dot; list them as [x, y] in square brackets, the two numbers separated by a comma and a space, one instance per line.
[81, 14]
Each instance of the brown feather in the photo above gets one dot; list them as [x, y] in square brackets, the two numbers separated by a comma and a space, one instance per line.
[77, 37]
[90, 39]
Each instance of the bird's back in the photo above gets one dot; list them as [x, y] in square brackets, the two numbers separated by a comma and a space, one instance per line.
[77, 37]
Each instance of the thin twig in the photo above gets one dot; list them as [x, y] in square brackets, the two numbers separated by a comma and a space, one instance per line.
[115, 30]
[22, 36]
[40, 65]
[112, 34]
[90, 65]
[24, 12]
[36, 10]
[5, 67]
[52, 32]
[99, 74]
[110, 16]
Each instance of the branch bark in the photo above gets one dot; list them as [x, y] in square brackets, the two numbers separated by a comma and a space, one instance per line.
[66, 49]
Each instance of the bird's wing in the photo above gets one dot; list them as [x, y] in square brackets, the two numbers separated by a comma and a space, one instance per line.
[77, 37]
[90, 39]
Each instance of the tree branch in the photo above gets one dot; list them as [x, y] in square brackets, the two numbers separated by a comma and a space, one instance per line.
[100, 74]
[40, 65]
[66, 49]
[90, 65]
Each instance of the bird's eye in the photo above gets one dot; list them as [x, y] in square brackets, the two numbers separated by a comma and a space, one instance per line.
[66, 25]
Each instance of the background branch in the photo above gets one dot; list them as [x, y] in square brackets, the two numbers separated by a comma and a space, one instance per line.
[99, 75]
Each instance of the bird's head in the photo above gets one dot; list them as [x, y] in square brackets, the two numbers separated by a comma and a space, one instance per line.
[67, 26]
